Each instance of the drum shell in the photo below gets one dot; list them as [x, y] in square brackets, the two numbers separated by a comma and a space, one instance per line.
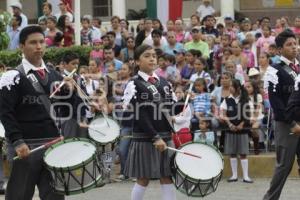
[76, 179]
[191, 186]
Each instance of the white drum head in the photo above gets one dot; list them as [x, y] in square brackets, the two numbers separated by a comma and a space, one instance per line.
[2, 131]
[70, 154]
[104, 130]
[210, 165]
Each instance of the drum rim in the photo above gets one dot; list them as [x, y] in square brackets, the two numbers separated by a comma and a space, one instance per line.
[64, 169]
[82, 190]
[111, 142]
[193, 179]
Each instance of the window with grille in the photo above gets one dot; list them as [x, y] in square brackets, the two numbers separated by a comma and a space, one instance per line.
[102, 8]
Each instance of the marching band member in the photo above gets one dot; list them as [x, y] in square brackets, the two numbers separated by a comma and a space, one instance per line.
[280, 80]
[70, 126]
[147, 94]
[25, 119]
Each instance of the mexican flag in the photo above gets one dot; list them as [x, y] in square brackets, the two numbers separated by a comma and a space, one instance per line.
[164, 9]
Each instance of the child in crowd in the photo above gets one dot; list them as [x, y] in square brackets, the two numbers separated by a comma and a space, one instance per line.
[247, 45]
[219, 53]
[235, 111]
[232, 68]
[97, 52]
[188, 70]
[273, 52]
[201, 101]
[200, 65]
[86, 32]
[264, 42]
[161, 71]
[257, 113]
[204, 134]
[173, 74]
[51, 32]
[182, 119]
[111, 71]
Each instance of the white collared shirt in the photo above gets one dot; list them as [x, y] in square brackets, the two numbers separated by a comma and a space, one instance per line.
[287, 61]
[146, 76]
[28, 66]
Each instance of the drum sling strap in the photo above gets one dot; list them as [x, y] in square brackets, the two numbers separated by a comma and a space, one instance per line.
[38, 88]
[165, 113]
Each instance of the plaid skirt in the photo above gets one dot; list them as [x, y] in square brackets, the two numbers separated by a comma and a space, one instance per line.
[145, 161]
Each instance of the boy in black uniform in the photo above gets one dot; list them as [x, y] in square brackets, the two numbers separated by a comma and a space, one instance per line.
[279, 80]
[25, 117]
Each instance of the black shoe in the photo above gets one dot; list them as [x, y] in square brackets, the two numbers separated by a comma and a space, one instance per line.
[2, 191]
[247, 181]
[230, 180]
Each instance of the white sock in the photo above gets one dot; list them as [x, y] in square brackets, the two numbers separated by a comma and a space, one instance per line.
[168, 192]
[138, 192]
[233, 163]
[244, 164]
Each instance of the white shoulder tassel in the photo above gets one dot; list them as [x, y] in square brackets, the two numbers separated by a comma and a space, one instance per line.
[270, 77]
[9, 79]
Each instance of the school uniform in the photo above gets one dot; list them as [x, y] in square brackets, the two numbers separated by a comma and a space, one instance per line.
[26, 120]
[280, 80]
[149, 124]
[235, 142]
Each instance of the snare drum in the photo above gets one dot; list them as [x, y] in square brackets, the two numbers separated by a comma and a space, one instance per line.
[194, 176]
[74, 166]
[104, 131]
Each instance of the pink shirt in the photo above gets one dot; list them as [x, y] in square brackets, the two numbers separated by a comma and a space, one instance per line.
[296, 30]
[264, 43]
[161, 73]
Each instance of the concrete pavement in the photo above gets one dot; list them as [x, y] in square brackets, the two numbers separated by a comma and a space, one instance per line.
[225, 191]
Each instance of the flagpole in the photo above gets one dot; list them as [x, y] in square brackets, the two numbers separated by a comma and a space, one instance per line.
[77, 22]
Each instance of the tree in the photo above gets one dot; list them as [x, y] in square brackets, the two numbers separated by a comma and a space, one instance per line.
[5, 18]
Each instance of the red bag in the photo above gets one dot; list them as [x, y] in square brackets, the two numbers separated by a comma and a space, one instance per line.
[181, 137]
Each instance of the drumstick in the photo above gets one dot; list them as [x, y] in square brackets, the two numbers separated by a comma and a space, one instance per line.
[61, 84]
[188, 96]
[183, 152]
[96, 131]
[44, 146]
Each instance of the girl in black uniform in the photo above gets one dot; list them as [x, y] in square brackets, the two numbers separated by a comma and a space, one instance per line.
[146, 94]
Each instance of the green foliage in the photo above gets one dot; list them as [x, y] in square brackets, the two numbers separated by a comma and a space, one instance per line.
[53, 55]
[5, 18]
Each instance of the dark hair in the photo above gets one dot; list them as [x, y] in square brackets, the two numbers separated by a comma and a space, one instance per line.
[61, 24]
[195, 53]
[19, 19]
[194, 15]
[201, 81]
[161, 28]
[28, 30]
[269, 27]
[108, 47]
[255, 86]
[140, 50]
[156, 32]
[69, 56]
[170, 58]
[273, 46]
[203, 61]
[246, 42]
[283, 36]
[207, 120]
[85, 19]
[244, 98]
[48, 5]
[111, 33]
[220, 26]
[52, 18]
[98, 20]
[263, 18]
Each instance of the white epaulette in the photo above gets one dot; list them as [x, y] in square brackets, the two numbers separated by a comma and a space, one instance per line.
[129, 93]
[270, 77]
[9, 79]
[297, 82]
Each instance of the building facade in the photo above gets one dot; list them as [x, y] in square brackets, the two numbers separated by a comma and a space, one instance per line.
[253, 9]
